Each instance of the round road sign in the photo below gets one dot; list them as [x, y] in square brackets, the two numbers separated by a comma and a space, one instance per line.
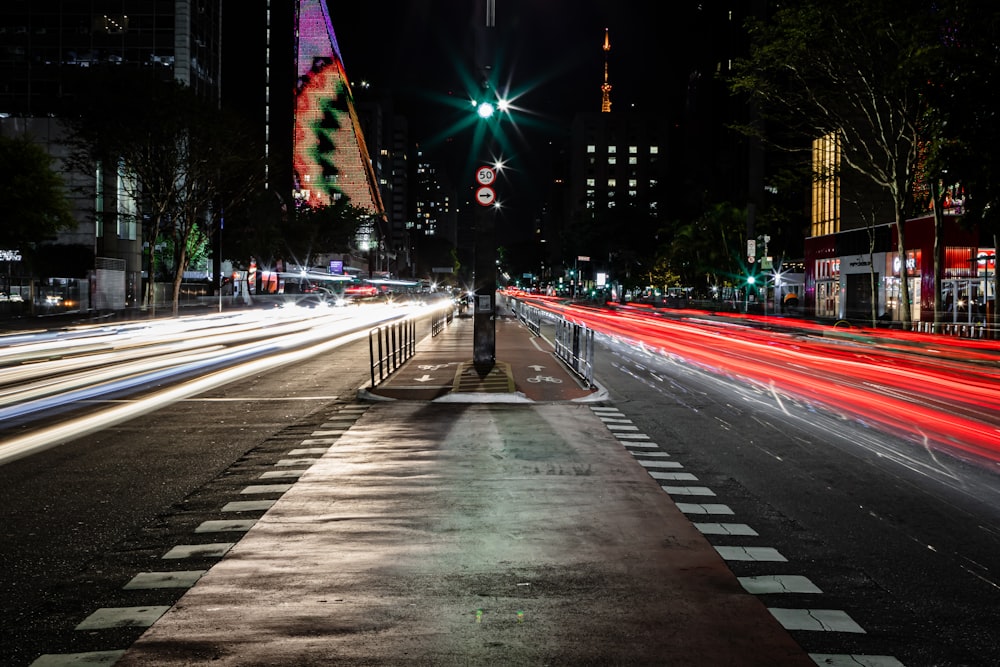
[485, 175]
[486, 195]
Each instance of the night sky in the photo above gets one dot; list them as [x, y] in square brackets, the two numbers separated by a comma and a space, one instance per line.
[548, 51]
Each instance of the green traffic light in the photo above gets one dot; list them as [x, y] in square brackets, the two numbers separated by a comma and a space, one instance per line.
[485, 110]
[751, 280]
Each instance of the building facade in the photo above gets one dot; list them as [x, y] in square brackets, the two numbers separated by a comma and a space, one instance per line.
[52, 50]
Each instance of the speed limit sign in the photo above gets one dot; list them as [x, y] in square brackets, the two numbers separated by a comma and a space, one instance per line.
[485, 176]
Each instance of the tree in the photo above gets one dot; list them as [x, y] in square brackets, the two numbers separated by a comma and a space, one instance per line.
[178, 156]
[707, 250]
[963, 90]
[33, 201]
[850, 68]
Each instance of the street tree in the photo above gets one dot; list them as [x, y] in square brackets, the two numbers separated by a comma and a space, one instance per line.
[175, 154]
[964, 92]
[33, 198]
[848, 68]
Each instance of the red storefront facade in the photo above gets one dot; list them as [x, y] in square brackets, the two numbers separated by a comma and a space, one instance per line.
[841, 268]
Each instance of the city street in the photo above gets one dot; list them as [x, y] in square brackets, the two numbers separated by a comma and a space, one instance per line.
[899, 538]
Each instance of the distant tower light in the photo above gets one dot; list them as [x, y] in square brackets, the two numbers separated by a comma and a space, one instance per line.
[606, 87]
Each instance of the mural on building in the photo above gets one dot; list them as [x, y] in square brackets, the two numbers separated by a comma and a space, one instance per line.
[330, 159]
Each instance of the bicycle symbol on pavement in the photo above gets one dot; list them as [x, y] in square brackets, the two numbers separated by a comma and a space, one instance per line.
[544, 378]
[433, 367]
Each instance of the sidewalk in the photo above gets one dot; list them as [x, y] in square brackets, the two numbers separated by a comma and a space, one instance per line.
[470, 521]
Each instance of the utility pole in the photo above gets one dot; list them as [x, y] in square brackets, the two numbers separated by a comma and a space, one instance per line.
[484, 264]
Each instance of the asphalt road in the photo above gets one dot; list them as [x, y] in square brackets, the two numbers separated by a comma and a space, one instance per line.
[905, 539]
[78, 519]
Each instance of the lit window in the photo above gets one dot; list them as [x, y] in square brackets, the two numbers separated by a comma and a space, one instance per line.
[612, 150]
[591, 183]
[633, 150]
[654, 150]
[633, 160]
[612, 160]
[612, 182]
[826, 185]
[591, 148]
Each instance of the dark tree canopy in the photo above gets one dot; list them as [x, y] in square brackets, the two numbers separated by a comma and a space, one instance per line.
[33, 202]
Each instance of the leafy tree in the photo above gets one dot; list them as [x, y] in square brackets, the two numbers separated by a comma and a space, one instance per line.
[963, 91]
[311, 231]
[33, 201]
[850, 68]
[183, 160]
[707, 250]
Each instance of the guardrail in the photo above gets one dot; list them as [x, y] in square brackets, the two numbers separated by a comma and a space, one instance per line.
[967, 330]
[395, 343]
[439, 323]
[575, 346]
[529, 315]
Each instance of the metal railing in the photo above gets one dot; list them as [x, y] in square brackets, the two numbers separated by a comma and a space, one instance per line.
[389, 346]
[439, 322]
[575, 346]
[529, 315]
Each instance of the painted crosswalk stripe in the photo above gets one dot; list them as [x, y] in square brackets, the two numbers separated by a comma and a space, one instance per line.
[644, 446]
[631, 436]
[622, 427]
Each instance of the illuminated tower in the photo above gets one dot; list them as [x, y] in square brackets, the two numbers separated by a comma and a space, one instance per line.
[606, 87]
[330, 159]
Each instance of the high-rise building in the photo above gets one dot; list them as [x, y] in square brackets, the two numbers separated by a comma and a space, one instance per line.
[50, 51]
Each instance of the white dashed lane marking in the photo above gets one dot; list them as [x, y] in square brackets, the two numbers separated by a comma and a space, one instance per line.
[778, 583]
[726, 529]
[821, 620]
[764, 554]
[704, 508]
[147, 580]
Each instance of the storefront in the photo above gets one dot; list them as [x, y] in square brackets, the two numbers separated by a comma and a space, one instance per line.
[848, 273]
